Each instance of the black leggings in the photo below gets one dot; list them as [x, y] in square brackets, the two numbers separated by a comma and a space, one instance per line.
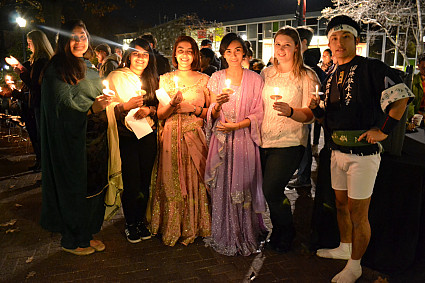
[279, 164]
[137, 160]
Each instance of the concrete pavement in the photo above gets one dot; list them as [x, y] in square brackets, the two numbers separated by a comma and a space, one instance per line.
[30, 254]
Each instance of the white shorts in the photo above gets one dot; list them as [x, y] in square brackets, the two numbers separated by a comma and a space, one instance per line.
[354, 173]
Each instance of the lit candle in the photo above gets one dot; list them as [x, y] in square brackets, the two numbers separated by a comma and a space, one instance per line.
[227, 89]
[317, 91]
[276, 95]
[176, 82]
[106, 84]
[106, 90]
[140, 91]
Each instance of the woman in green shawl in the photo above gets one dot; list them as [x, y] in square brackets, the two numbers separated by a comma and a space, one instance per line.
[71, 91]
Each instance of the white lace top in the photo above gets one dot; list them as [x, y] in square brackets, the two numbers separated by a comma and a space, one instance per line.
[279, 131]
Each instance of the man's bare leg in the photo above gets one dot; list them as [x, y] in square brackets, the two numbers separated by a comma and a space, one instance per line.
[345, 229]
[361, 236]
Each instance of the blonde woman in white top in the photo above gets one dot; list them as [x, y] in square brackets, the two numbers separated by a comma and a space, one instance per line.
[287, 88]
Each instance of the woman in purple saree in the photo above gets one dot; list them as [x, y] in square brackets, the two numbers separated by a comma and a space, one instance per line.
[233, 169]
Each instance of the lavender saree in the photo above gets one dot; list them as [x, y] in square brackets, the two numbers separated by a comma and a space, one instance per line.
[233, 169]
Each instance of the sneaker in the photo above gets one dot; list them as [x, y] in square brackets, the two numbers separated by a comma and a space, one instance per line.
[298, 184]
[144, 233]
[132, 233]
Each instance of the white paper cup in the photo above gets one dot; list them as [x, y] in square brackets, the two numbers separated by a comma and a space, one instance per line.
[417, 119]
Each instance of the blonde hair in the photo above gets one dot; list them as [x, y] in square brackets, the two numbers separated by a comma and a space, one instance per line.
[299, 68]
[42, 46]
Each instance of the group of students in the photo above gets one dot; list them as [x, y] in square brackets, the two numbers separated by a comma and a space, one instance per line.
[220, 152]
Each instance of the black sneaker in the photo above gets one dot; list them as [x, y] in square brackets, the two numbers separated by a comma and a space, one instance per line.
[132, 233]
[144, 233]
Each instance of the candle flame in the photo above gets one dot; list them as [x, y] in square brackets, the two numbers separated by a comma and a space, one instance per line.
[276, 90]
[106, 84]
[228, 82]
[176, 82]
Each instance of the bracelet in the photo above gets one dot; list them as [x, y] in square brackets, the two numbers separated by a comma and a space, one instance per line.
[172, 105]
[292, 113]
[200, 113]
[216, 108]
[194, 109]
[389, 124]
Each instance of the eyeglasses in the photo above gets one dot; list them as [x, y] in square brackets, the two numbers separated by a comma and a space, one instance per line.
[78, 38]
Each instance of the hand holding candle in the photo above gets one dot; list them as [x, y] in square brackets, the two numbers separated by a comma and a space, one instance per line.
[12, 61]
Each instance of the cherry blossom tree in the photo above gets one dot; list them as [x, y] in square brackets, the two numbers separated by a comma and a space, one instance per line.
[390, 16]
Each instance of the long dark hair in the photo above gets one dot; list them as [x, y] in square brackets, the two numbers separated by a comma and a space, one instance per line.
[196, 64]
[70, 68]
[149, 76]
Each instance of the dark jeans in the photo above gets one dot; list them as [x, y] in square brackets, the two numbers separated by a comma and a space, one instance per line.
[137, 160]
[279, 164]
[304, 170]
[316, 132]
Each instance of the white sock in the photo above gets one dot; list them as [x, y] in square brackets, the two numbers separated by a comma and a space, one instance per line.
[351, 272]
[341, 252]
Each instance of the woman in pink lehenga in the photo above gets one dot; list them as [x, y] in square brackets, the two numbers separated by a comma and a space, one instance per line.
[233, 170]
[180, 207]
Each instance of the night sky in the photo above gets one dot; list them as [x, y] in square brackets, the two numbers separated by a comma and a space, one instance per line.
[153, 12]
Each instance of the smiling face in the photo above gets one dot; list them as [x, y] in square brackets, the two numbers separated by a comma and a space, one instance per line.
[343, 46]
[234, 54]
[79, 42]
[326, 57]
[184, 55]
[139, 60]
[284, 49]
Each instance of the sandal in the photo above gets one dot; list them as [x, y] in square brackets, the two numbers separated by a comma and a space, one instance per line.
[80, 251]
[97, 245]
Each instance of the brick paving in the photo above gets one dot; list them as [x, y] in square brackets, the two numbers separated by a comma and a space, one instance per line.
[31, 254]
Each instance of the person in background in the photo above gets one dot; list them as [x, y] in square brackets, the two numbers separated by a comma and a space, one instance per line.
[107, 61]
[207, 56]
[327, 62]
[311, 57]
[162, 63]
[287, 87]
[233, 170]
[30, 74]
[180, 206]
[70, 92]
[216, 62]
[256, 65]
[246, 63]
[418, 88]
[118, 51]
[363, 102]
[137, 154]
